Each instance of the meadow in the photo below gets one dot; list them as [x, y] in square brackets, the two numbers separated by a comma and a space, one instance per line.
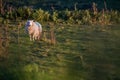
[76, 44]
[73, 52]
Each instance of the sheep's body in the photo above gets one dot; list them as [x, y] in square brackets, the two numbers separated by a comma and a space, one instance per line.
[34, 29]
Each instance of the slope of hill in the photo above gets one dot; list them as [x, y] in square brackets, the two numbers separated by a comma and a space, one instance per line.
[82, 52]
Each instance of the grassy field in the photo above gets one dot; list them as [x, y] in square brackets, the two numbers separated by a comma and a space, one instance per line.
[81, 52]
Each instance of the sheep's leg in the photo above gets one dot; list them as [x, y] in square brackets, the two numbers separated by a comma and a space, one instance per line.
[36, 36]
[33, 37]
[39, 36]
[30, 37]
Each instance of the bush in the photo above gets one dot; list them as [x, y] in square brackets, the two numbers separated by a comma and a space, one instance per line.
[66, 16]
[41, 15]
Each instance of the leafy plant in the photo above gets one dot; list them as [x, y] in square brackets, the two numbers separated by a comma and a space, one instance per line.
[41, 15]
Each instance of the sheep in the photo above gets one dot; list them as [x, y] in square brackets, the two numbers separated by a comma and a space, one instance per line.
[34, 29]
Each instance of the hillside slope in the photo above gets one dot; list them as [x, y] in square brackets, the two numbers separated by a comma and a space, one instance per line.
[82, 52]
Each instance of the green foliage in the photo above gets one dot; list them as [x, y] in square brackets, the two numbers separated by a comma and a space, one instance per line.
[55, 16]
[66, 16]
[41, 15]
[31, 68]
[24, 13]
[86, 17]
[19, 13]
[115, 16]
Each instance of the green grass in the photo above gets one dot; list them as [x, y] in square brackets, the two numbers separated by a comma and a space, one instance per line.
[81, 52]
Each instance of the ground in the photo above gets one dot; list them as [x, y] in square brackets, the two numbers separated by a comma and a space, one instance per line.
[81, 52]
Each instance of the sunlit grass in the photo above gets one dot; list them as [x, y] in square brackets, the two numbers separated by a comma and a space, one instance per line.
[81, 52]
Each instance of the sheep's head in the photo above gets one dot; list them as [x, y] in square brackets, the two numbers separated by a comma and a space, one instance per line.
[29, 23]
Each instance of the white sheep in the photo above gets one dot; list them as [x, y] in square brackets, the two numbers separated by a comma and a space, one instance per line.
[34, 29]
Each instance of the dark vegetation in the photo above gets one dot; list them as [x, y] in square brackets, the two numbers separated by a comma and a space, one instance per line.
[80, 40]
[91, 15]
[63, 4]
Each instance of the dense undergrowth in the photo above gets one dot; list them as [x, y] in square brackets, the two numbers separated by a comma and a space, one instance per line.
[89, 16]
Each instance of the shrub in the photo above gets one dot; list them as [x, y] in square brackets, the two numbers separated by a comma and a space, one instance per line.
[55, 16]
[66, 16]
[41, 15]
